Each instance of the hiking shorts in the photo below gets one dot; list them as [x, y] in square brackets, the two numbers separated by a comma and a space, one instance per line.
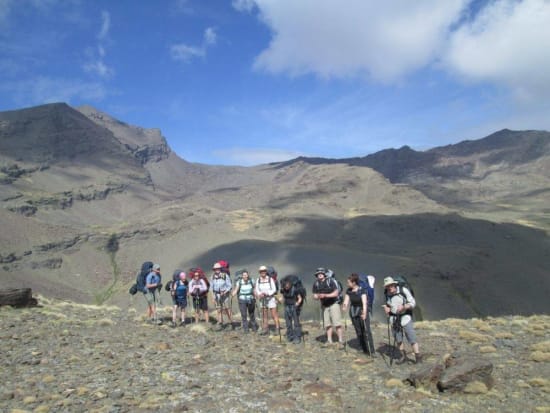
[268, 302]
[180, 301]
[200, 302]
[152, 297]
[332, 315]
[222, 301]
[408, 329]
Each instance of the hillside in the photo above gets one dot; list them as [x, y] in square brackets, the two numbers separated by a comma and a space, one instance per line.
[78, 223]
[62, 356]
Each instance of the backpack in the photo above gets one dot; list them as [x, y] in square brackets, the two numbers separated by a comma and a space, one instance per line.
[332, 274]
[366, 282]
[202, 276]
[297, 286]
[239, 276]
[175, 278]
[180, 289]
[225, 266]
[273, 275]
[140, 277]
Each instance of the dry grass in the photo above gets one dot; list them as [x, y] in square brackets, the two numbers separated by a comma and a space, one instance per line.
[543, 346]
[487, 349]
[505, 335]
[481, 325]
[476, 387]
[539, 382]
[470, 337]
[539, 356]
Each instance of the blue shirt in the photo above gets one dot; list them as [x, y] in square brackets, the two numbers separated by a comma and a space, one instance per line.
[152, 278]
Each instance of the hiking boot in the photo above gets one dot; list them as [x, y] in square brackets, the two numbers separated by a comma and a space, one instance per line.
[418, 358]
[173, 324]
[297, 340]
[263, 333]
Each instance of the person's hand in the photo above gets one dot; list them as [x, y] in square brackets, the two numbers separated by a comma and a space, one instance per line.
[386, 309]
[363, 315]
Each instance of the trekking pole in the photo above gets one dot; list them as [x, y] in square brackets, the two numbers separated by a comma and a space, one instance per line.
[389, 344]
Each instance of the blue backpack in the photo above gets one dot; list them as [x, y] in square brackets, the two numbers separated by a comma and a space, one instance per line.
[366, 282]
[181, 289]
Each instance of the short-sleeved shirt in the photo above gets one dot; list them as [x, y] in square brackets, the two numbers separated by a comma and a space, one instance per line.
[152, 278]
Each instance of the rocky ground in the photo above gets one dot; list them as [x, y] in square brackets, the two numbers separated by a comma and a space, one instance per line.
[67, 357]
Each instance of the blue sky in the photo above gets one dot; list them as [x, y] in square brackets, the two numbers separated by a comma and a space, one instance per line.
[245, 82]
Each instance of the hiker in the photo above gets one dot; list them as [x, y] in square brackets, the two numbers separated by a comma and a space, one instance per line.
[198, 290]
[221, 291]
[178, 291]
[399, 305]
[293, 300]
[325, 290]
[244, 287]
[152, 292]
[265, 292]
[356, 300]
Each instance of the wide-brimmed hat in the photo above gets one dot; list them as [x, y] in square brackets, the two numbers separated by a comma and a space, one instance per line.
[320, 270]
[389, 281]
[156, 267]
[217, 266]
[262, 268]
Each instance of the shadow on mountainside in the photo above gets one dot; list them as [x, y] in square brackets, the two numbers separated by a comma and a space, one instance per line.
[459, 267]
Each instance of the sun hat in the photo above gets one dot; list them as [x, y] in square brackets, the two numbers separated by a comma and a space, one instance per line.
[262, 268]
[217, 266]
[389, 281]
[156, 267]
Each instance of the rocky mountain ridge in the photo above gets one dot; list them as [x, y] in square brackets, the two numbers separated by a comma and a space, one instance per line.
[455, 232]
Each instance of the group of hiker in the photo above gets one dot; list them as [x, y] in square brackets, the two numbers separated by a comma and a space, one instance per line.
[267, 292]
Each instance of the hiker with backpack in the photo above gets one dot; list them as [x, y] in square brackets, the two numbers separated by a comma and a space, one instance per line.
[152, 292]
[221, 290]
[356, 300]
[198, 291]
[293, 298]
[399, 306]
[244, 287]
[265, 292]
[326, 290]
[178, 291]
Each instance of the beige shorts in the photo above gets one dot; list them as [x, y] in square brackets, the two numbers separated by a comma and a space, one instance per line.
[332, 315]
[268, 302]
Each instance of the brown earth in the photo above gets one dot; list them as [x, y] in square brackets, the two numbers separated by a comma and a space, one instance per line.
[63, 356]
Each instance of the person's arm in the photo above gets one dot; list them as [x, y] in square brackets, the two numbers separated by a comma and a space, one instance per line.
[364, 305]
[410, 304]
[236, 289]
[334, 292]
[272, 288]
[149, 282]
[346, 302]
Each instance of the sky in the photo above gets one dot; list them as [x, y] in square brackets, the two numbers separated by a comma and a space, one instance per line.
[244, 82]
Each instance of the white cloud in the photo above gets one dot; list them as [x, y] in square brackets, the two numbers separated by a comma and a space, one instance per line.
[210, 36]
[253, 156]
[508, 43]
[184, 52]
[243, 5]
[96, 61]
[105, 25]
[43, 89]
[384, 40]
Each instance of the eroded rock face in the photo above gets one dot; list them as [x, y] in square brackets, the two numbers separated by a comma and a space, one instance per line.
[464, 371]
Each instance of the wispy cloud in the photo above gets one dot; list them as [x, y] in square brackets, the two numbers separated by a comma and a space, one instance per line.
[253, 156]
[95, 63]
[243, 5]
[44, 89]
[185, 53]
